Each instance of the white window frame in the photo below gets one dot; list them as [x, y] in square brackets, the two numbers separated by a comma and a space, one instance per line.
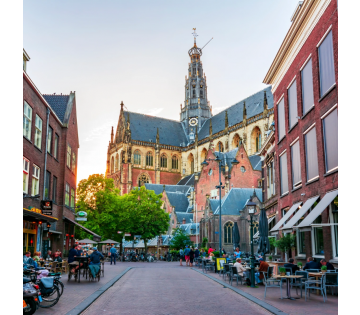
[38, 131]
[56, 146]
[29, 119]
[36, 180]
[298, 244]
[313, 242]
[331, 216]
[26, 171]
[73, 161]
[324, 139]
[297, 184]
[68, 156]
[67, 192]
[72, 199]
[49, 139]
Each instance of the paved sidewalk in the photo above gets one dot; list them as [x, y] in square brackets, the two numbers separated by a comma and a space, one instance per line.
[75, 293]
[166, 288]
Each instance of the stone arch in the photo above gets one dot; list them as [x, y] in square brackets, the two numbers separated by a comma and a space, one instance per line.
[236, 141]
[175, 162]
[255, 140]
[163, 160]
[228, 232]
[143, 179]
[190, 163]
[112, 165]
[137, 157]
[117, 162]
[221, 146]
[149, 159]
[203, 154]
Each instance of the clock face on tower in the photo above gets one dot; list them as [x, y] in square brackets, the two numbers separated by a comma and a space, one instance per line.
[193, 121]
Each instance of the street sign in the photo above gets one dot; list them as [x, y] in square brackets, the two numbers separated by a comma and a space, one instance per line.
[46, 204]
[119, 232]
[127, 234]
[216, 232]
[138, 236]
[80, 219]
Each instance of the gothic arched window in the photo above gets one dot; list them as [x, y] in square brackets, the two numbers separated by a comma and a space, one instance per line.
[220, 147]
[228, 232]
[201, 93]
[149, 159]
[175, 162]
[143, 179]
[236, 141]
[194, 93]
[163, 161]
[112, 166]
[116, 162]
[137, 157]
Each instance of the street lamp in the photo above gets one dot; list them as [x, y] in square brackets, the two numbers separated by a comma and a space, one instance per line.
[251, 207]
[221, 167]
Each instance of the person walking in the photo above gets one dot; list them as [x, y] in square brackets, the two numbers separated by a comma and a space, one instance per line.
[187, 255]
[113, 254]
[181, 253]
[197, 255]
[191, 255]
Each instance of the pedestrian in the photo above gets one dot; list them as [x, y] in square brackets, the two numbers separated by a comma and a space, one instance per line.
[113, 255]
[191, 255]
[187, 255]
[181, 253]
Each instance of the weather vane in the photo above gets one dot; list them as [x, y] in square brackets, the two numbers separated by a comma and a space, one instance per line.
[195, 35]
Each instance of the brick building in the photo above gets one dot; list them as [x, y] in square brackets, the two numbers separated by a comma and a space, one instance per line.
[50, 151]
[304, 79]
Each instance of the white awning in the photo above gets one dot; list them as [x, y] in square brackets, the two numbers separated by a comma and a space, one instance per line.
[288, 227]
[305, 225]
[257, 234]
[278, 225]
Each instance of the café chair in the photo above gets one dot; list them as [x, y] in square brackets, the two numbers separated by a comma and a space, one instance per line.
[226, 270]
[271, 282]
[312, 270]
[207, 266]
[331, 281]
[234, 274]
[316, 285]
[300, 282]
[65, 266]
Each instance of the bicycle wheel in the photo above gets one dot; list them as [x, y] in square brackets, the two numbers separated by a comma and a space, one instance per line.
[60, 285]
[49, 300]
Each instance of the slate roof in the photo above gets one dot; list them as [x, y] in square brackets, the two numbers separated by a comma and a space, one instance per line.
[183, 215]
[214, 203]
[187, 180]
[254, 106]
[144, 128]
[158, 188]
[58, 103]
[190, 228]
[227, 157]
[255, 161]
[178, 200]
[236, 199]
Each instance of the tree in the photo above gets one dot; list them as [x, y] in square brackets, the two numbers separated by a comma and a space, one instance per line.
[101, 200]
[286, 242]
[145, 216]
[204, 242]
[180, 239]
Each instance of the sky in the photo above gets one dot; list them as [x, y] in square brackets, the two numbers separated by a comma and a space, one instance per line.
[137, 52]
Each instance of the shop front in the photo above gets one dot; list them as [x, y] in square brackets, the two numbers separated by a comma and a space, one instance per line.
[32, 224]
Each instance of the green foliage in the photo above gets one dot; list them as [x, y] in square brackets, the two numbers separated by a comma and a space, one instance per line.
[205, 249]
[180, 239]
[282, 269]
[286, 242]
[174, 252]
[216, 254]
[299, 263]
[272, 242]
[323, 268]
[204, 242]
[270, 258]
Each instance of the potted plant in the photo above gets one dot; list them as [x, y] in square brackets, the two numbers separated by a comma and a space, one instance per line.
[323, 269]
[282, 271]
[300, 264]
[270, 258]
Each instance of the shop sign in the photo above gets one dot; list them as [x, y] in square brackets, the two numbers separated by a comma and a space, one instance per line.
[96, 238]
[46, 206]
[80, 219]
[35, 210]
[81, 216]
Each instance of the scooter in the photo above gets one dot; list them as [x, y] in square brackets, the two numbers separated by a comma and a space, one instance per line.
[31, 297]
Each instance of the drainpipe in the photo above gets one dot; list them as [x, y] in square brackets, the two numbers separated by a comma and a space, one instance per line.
[45, 162]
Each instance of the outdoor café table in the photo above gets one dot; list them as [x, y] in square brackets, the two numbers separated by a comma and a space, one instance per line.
[82, 260]
[317, 275]
[288, 287]
[276, 264]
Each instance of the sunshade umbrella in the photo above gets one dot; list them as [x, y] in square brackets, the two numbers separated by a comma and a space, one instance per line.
[86, 241]
[108, 241]
[264, 246]
[236, 236]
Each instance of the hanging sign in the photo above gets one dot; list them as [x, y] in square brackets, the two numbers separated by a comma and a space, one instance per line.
[81, 216]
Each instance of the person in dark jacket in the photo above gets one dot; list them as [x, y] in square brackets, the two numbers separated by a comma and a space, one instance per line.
[72, 253]
[329, 266]
[95, 257]
[291, 265]
[191, 254]
[311, 264]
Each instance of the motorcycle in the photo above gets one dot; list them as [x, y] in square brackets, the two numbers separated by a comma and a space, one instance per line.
[31, 297]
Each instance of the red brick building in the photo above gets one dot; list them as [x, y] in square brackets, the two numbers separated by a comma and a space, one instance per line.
[304, 79]
[50, 152]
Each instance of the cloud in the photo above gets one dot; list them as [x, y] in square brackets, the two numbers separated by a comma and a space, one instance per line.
[100, 131]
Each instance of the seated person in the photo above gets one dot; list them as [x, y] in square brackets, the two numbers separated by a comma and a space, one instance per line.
[329, 266]
[57, 257]
[71, 259]
[27, 257]
[211, 256]
[237, 253]
[37, 256]
[311, 264]
[48, 255]
[95, 257]
[291, 265]
[263, 267]
[240, 268]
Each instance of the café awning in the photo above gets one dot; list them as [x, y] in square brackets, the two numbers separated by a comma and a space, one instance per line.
[275, 229]
[83, 228]
[305, 225]
[108, 241]
[32, 215]
[288, 227]
[86, 241]
[256, 235]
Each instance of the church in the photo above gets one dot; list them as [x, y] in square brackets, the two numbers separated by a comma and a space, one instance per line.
[146, 149]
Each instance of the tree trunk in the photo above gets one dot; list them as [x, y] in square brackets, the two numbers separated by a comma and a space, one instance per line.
[146, 247]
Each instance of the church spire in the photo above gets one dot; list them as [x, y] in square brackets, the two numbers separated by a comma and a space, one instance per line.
[112, 134]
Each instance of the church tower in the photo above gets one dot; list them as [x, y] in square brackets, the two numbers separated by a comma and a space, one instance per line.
[196, 109]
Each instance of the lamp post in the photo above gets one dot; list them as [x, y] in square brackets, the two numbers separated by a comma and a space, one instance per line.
[221, 167]
[251, 207]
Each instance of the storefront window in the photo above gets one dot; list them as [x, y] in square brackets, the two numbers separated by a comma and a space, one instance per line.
[334, 220]
[318, 238]
[301, 243]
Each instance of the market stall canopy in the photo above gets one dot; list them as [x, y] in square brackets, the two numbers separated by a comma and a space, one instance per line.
[108, 241]
[275, 229]
[86, 241]
[96, 237]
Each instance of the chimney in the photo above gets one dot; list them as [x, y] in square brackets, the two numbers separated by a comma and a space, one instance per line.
[184, 221]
